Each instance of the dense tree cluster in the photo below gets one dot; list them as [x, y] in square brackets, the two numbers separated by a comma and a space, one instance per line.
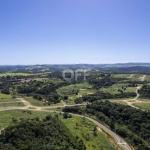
[104, 95]
[48, 134]
[130, 123]
[41, 90]
[145, 91]
[101, 80]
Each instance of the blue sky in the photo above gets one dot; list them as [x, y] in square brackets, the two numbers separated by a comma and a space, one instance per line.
[74, 31]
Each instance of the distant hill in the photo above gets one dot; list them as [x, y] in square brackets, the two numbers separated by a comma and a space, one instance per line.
[118, 67]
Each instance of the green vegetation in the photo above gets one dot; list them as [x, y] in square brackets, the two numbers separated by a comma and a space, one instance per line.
[147, 78]
[136, 77]
[119, 102]
[145, 92]
[74, 91]
[115, 89]
[49, 133]
[8, 100]
[84, 129]
[19, 104]
[6, 116]
[5, 96]
[14, 74]
[122, 119]
[143, 106]
[79, 127]
[121, 75]
[34, 102]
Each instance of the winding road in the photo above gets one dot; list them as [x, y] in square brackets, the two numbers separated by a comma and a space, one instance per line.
[121, 142]
[28, 106]
[117, 138]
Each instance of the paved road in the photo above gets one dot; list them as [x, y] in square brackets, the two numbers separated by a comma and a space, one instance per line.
[117, 138]
[122, 144]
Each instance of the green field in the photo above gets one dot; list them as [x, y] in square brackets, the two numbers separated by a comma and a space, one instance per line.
[5, 96]
[147, 78]
[83, 128]
[19, 104]
[114, 88]
[144, 106]
[119, 102]
[120, 75]
[14, 74]
[34, 102]
[69, 88]
[8, 100]
[136, 77]
[80, 127]
[83, 89]
[6, 116]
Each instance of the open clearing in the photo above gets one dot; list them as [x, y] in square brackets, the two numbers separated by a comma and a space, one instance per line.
[120, 75]
[83, 128]
[68, 89]
[78, 126]
[120, 86]
[8, 100]
[12, 104]
[14, 74]
[147, 78]
[34, 102]
[144, 106]
[6, 116]
[136, 77]
[5, 96]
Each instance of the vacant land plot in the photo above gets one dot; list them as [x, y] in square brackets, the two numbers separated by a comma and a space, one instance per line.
[136, 77]
[114, 89]
[79, 127]
[147, 78]
[75, 87]
[121, 75]
[12, 104]
[14, 74]
[5, 96]
[8, 100]
[83, 128]
[82, 88]
[144, 106]
[6, 116]
[119, 102]
[34, 102]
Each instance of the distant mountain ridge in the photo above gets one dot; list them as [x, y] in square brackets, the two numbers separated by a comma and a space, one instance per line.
[118, 67]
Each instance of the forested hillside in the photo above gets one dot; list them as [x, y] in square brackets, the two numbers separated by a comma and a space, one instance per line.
[47, 134]
[130, 123]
